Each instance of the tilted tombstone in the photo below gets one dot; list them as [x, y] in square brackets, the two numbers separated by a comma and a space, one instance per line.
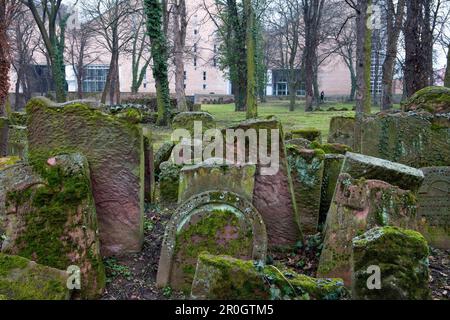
[4, 128]
[362, 166]
[274, 196]
[209, 175]
[218, 222]
[359, 205]
[22, 279]
[390, 263]
[115, 152]
[414, 139]
[306, 168]
[434, 207]
[332, 169]
[342, 130]
[48, 215]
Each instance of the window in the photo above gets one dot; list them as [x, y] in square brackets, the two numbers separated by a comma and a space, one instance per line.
[195, 61]
[204, 87]
[204, 75]
[195, 31]
[185, 75]
[215, 62]
[95, 78]
[195, 48]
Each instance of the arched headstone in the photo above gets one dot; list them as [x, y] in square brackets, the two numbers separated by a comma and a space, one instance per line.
[218, 222]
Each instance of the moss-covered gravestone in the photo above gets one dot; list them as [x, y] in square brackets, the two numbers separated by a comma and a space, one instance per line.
[210, 175]
[311, 134]
[342, 130]
[332, 169]
[162, 155]
[17, 142]
[49, 217]
[306, 167]
[227, 278]
[430, 99]
[217, 222]
[401, 258]
[299, 142]
[414, 139]
[22, 279]
[114, 149]
[274, 196]
[357, 206]
[434, 207]
[4, 128]
[186, 120]
[169, 181]
[361, 166]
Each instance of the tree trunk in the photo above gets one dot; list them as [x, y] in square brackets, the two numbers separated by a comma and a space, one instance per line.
[394, 26]
[180, 26]
[363, 59]
[417, 62]
[5, 59]
[252, 103]
[447, 71]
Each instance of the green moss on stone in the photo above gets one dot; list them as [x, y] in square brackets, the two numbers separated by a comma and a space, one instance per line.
[21, 279]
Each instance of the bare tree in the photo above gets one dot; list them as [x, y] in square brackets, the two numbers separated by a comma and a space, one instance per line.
[363, 55]
[180, 24]
[312, 16]
[110, 19]
[140, 50]
[286, 31]
[394, 24]
[51, 21]
[81, 52]
[346, 42]
[422, 29]
[447, 71]
[8, 8]
[24, 42]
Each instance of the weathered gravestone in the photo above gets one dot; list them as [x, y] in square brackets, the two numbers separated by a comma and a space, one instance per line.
[227, 278]
[149, 179]
[274, 196]
[210, 175]
[399, 258]
[299, 142]
[22, 279]
[331, 170]
[414, 139]
[17, 142]
[306, 167]
[430, 99]
[361, 166]
[342, 130]
[4, 128]
[48, 216]
[311, 134]
[169, 181]
[357, 206]
[218, 222]
[186, 120]
[434, 207]
[162, 155]
[115, 152]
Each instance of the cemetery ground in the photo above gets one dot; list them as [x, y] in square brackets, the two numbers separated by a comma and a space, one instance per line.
[134, 276]
[349, 194]
[226, 116]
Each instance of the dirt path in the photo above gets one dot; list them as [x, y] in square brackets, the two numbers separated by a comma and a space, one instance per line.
[133, 277]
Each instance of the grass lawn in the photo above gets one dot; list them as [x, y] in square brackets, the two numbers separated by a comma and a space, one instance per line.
[226, 116]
